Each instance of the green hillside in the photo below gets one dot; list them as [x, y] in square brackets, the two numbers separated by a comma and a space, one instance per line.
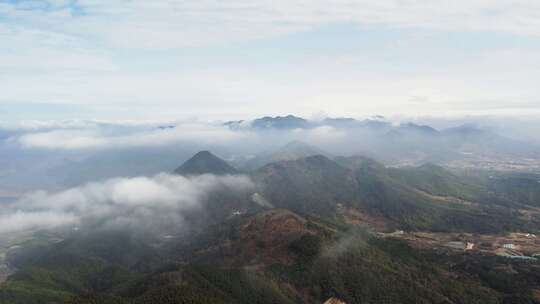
[300, 247]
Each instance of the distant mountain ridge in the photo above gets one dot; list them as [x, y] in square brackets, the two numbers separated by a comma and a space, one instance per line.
[280, 122]
[377, 122]
[378, 138]
[290, 122]
[291, 151]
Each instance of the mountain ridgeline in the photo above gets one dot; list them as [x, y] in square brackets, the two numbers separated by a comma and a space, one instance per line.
[428, 197]
[467, 145]
[291, 151]
[307, 232]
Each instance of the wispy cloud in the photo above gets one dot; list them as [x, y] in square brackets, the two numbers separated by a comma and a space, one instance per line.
[166, 24]
[115, 54]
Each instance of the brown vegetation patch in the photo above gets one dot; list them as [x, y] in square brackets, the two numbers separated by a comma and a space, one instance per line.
[357, 217]
[268, 235]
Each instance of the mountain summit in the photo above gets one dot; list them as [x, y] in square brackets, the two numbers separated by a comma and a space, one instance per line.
[205, 162]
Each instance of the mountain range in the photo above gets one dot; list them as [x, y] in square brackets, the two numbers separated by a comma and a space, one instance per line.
[466, 145]
[460, 148]
[312, 229]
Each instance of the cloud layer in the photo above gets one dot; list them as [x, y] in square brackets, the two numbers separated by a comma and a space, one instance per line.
[210, 57]
[175, 23]
[141, 203]
[104, 137]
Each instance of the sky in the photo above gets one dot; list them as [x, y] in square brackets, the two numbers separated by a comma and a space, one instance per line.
[209, 59]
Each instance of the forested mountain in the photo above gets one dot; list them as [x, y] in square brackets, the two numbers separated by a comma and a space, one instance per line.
[310, 229]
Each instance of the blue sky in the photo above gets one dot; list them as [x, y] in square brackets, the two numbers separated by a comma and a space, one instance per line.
[175, 59]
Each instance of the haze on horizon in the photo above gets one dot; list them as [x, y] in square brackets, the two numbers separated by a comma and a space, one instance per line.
[96, 59]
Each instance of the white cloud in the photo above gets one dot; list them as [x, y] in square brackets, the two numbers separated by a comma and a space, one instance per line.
[102, 138]
[175, 23]
[143, 202]
[102, 53]
[22, 221]
[29, 49]
[322, 136]
[62, 139]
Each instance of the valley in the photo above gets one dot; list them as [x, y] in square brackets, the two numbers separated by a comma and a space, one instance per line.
[516, 245]
[530, 165]
[524, 246]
